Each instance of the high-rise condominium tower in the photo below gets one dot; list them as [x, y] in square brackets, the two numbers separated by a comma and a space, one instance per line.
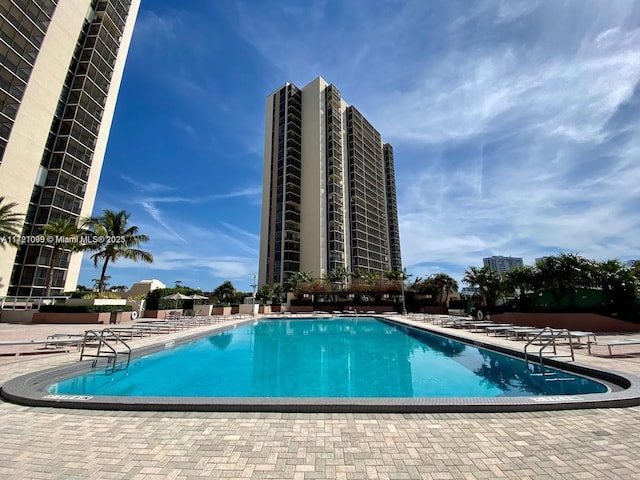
[329, 197]
[61, 66]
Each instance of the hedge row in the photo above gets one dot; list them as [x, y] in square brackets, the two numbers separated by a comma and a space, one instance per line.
[84, 308]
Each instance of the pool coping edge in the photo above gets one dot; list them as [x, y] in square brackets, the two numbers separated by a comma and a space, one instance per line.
[29, 390]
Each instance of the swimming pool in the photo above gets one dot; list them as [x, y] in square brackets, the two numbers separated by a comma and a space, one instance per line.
[341, 357]
[337, 364]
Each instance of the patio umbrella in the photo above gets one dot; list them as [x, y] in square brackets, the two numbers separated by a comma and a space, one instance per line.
[195, 297]
[176, 297]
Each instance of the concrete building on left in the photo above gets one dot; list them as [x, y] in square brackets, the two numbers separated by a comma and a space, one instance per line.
[61, 64]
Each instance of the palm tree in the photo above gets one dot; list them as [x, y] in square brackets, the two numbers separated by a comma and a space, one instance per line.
[121, 241]
[224, 291]
[520, 280]
[264, 294]
[294, 281]
[619, 281]
[66, 233]
[563, 274]
[566, 272]
[105, 282]
[394, 275]
[634, 265]
[487, 281]
[338, 277]
[547, 277]
[10, 223]
[277, 293]
[447, 285]
[576, 271]
[357, 274]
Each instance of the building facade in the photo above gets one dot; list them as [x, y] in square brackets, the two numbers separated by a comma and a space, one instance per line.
[502, 264]
[329, 196]
[61, 66]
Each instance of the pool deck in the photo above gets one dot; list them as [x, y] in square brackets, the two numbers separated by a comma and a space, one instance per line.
[86, 444]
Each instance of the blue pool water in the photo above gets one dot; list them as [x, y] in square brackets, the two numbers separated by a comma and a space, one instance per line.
[340, 357]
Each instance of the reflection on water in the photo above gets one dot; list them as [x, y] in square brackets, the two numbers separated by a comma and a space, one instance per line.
[341, 358]
[221, 340]
[446, 346]
[509, 375]
[344, 357]
[512, 376]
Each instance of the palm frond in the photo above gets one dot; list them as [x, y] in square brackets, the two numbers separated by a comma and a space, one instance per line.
[112, 224]
[10, 221]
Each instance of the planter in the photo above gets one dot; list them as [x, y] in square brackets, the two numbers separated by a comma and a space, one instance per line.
[17, 316]
[74, 318]
[95, 301]
[221, 311]
[248, 308]
[301, 308]
[159, 313]
[203, 310]
[573, 321]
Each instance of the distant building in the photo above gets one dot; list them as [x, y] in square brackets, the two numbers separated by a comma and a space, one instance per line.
[502, 264]
[469, 292]
[143, 287]
[541, 259]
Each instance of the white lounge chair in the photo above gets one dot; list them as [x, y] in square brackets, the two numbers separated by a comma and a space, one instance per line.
[613, 343]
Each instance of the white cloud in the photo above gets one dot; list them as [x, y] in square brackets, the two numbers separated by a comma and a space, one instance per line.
[510, 10]
[153, 211]
[244, 233]
[512, 119]
[242, 192]
[147, 187]
[513, 134]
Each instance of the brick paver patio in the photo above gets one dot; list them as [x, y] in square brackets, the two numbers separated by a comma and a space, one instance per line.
[65, 444]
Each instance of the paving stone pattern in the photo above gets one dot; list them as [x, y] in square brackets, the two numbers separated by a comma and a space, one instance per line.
[45, 443]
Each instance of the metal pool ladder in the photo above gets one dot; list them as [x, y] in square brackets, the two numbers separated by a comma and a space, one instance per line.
[550, 335]
[104, 349]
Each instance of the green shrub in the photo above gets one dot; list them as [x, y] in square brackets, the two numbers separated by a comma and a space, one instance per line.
[102, 295]
[141, 296]
[84, 308]
[156, 302]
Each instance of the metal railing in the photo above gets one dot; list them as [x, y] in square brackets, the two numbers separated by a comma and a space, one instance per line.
[22, 302]
[550, 335]
[102, 337]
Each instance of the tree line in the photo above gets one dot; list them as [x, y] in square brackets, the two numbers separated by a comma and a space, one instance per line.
[563, 274]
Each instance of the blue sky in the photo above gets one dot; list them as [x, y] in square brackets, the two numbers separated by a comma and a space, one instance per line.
[515, 126]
